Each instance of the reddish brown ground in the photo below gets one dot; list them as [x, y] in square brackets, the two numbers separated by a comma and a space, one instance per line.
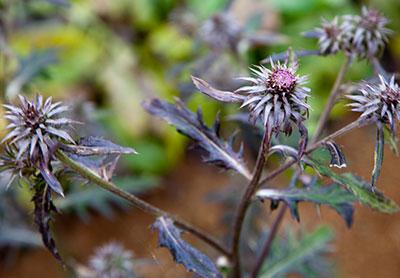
[370, 249]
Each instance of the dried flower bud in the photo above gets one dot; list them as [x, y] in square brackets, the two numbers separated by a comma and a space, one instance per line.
[381, 101]
[329, 36]
[112, 261]
[277, 95]
[221, 31]
[36, 127]
[366, 35]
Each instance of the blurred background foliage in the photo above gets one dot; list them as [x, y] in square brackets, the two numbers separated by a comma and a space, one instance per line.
[106, 57]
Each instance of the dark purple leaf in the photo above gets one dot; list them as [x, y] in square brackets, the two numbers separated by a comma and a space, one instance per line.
[337, 156]
[43, 209]
[333, 196]
[50, 179]
[220, 152]
[169, 236]
[91, 145]
[224, 96]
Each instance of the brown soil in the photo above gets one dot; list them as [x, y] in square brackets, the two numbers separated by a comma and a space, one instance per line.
[370, 249]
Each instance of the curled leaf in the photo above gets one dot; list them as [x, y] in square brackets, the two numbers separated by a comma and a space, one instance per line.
[337, 156]
[220, 152]
[50, 179]
[223, 96]
[97, 146]
[169, 236]
[42, 211]
[378, 155]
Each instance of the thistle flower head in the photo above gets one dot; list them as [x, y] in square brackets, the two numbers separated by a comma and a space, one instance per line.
[112, 261]
[221, 31]
[381, 101]
[366, 35]
[329, 36]
[35, 127]
[277, 96]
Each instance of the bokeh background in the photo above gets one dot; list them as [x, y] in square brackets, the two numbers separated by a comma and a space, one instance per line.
[106, 57]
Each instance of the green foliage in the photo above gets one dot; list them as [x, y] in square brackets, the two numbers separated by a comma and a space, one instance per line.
[303, 255]
[333, 196]
[363, 191]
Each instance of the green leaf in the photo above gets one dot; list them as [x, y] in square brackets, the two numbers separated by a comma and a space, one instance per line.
[311, 245]
[364, 192]
[378, 155]
[334, 196]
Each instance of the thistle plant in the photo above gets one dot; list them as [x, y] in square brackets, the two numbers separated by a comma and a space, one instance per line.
[275, 97]
[36, 128]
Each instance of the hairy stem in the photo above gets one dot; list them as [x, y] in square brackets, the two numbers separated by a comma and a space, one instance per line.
[331, 100]
[245, 202]
[137, 202]
[268, 243]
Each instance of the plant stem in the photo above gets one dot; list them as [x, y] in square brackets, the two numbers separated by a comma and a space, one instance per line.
[332, 99]
[245, 202]
[274, 230]
[137, 202]
[343, 130]
[268, 243]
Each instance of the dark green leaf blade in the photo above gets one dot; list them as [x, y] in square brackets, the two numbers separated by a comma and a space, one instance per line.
[169, 236]
[334, 196]
[219, 152]
[364, 192]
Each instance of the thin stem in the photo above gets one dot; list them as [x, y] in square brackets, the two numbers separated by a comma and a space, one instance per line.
[343, 130]
[332, 99]
[265, 250]
[137, 202]
[246, 200]
[268, 243]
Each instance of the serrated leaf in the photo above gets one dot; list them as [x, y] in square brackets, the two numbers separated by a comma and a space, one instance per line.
[169, 236]
[378, 154]
[223, 96]
[333, 196]
[92, 145]
[220, 152]
[337, 156]
[307, 247]
[42, 211]
[364, 192]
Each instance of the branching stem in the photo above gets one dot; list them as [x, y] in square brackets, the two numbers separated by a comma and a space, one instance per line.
[137, 202]
[332, 99]
[245, 202]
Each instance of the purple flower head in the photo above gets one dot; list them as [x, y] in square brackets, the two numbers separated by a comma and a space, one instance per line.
[380, 101]
[277, 96]
[366, 35]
